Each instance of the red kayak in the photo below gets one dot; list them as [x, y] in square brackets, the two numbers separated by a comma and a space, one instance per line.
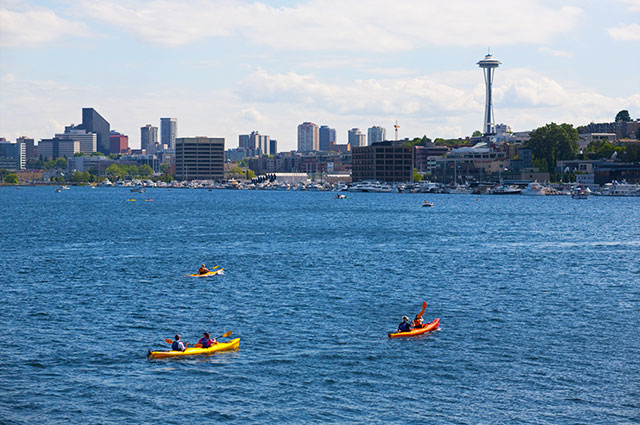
[428, 327]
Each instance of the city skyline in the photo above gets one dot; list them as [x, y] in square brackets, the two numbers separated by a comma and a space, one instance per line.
[225, 82]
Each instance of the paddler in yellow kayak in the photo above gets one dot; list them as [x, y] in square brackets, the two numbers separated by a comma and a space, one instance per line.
[206, 341]
[178, 345]
[203, 270]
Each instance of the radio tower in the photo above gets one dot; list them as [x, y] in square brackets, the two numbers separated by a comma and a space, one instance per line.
[396, 126]
[488, 64]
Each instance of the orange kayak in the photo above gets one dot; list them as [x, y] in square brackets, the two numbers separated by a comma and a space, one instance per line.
[414, 332]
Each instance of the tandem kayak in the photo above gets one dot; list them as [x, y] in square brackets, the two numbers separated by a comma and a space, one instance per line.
[193, 351]
[207, 274]
[414, 332]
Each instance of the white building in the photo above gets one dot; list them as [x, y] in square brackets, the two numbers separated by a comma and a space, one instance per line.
[308, 137]
[88, 141]
[376, 134]
[356, 138]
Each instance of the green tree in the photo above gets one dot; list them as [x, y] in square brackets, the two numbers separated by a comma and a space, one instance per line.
[554, 142]
[114, 170]
[477, 133]
[81, 177]
[250, 174]
[77, 154]
[3, 172]
[623, 116]
[11, 178]
[235, 171]
[145, 170]
[167, 178]
[164, 168]
[35, 164]
[417, 176]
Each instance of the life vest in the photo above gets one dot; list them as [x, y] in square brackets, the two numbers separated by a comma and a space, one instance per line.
[177, 346]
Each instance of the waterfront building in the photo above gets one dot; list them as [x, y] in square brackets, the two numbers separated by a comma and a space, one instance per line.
[88, 141]
[308, 137]
[422, 154]
[376, 134]
[199, 158]
[93, 122]
[489, 65]
[148, 136]
[327, 137]
[384, 161]
[13, 156]
[118, 143]
[168, 132]
[356, 138]
[29, 146]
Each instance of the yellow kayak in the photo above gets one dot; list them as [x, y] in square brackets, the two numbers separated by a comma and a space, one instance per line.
[209, 273]
[232, 345]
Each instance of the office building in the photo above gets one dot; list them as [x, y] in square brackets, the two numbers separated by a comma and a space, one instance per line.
[243, 141]
[118, 143]
[327, 138]
[13, 156]
[356, 138]
[273, 147]
[29, 146]
[308, 137]
[93, 122]
[384, 161]
[168, 132]
[88, 141]
[376, 134]
[199, 158]
[148, 136]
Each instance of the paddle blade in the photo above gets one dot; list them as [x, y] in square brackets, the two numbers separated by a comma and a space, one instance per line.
[224, 335]
[168, 341]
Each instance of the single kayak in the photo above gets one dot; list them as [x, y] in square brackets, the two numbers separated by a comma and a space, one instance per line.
[414, 332]
[193, 351]
[207, 274]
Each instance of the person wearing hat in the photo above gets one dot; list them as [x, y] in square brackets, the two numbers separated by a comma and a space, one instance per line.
[206, 341]
[178, 345]
[203, 270]
[405, 326]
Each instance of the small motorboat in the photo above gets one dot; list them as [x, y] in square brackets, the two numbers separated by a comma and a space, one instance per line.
[341, 196]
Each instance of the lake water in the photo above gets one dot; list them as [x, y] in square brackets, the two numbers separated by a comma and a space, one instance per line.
[538, 299]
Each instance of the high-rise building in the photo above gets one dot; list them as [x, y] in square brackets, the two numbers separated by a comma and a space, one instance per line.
[29, 146]
[93, 122]
[243, 141]
[118, 143]
[88, 141]
[199, 158]
[273, 147]
[13, 155]
[168, 132]
[148, 136]
[256, 142]
[327, 138]
[376, 134]
[356, 138]
[308, 137]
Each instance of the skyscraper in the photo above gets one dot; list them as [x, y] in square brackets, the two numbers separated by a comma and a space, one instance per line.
[308, 137]
[93, 122]
[488, 64]
[148, 136]
[356, 138]
[199, 158]
[168, 132]
[327, 137]
[376, 134]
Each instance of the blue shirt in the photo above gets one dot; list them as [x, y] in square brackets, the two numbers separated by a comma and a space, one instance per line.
[404, 327]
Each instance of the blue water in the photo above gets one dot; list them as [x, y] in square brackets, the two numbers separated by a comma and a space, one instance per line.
[539, 301]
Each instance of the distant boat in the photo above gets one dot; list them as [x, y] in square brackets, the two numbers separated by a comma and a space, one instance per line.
[341, 196]
[137, 189]
[579, 193]
[427, 204]
[535, 189]
[505, 190]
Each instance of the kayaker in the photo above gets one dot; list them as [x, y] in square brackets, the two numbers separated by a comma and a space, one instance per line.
[206, 341]
[404, 326]
[418, 323]
[203, 270]
[178, 345]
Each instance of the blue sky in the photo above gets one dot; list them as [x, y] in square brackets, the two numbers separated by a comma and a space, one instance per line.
[229, 67]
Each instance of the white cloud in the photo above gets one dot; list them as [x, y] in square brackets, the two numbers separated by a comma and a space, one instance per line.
[634, 5]
[354, 25]
[556, 53]
[36, 26]
[623, 32]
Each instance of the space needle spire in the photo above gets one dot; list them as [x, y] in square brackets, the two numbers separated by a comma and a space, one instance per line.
[488, 65]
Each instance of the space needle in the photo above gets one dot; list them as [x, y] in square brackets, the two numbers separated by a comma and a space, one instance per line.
[488, 64]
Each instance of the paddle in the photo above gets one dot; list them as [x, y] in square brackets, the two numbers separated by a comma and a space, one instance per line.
[424, 307]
